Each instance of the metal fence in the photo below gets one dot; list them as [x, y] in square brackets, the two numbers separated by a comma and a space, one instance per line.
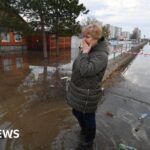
[116, 47]
[120, 47]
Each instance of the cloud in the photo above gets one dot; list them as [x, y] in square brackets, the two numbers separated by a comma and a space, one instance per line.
[125, 13]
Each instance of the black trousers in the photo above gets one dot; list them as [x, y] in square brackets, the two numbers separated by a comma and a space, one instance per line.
[87, 123]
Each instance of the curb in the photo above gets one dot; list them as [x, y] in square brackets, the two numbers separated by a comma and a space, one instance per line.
[122, 60]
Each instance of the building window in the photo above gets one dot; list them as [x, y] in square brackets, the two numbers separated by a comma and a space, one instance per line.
[5, 37]
[18, 37]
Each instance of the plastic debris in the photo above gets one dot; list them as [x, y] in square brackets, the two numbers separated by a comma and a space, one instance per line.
[109, 114]
[125, 147]
[62, 78]
[143, 116]
[141, 121]
[102, 90]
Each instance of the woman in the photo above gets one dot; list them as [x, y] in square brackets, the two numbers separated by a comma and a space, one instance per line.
[84, 91]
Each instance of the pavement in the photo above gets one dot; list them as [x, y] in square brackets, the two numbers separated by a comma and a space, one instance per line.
[117, 119]
[125, 100]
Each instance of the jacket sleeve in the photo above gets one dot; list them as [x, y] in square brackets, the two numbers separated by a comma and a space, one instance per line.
[90, 66]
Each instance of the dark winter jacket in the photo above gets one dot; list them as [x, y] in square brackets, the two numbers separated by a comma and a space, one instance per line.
[84, 90]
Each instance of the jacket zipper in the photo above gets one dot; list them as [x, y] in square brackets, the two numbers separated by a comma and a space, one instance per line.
[87, 100]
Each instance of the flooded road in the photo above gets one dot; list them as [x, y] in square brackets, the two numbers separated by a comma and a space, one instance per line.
[126, 99]
[32, 100]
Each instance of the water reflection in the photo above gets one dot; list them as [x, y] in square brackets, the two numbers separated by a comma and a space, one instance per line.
[13, 62]
[139, 72]
[31, 96]
[37, 72]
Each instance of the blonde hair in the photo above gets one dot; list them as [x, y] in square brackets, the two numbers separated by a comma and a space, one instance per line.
[94, 29]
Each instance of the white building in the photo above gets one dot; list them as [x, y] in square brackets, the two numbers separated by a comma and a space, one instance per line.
[111, 30]
[118, 31]
[115, 32]
[125, 35]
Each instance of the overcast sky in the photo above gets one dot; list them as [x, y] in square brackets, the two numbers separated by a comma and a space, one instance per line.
[122, 13]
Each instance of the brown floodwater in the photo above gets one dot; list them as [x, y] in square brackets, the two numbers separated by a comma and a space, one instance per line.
[32, 98]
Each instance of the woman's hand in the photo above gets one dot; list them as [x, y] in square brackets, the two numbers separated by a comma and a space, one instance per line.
[86, 47]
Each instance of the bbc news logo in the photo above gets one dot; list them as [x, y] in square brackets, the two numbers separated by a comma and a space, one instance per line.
[11, 134]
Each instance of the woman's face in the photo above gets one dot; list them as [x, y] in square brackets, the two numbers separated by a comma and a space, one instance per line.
[89, 39]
